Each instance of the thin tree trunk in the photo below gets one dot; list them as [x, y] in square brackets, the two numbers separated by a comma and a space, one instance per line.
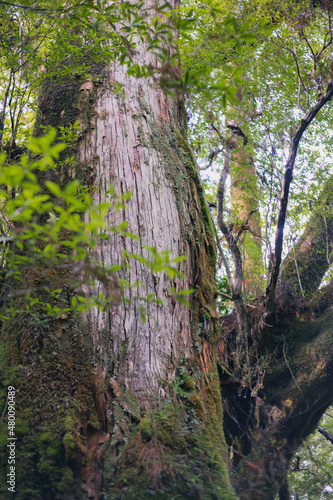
[244, 203]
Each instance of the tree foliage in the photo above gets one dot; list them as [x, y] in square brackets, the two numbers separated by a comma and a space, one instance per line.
[310, 474]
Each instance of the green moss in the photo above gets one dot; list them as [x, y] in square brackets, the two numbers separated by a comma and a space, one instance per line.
[145, 428]
[66, 480]
[94, 423]
[191, 203]
[190, 163]
[186, 382]
[176, 451]
[55, 393]
[69, 444]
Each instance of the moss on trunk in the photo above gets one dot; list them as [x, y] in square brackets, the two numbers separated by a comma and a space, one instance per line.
[82, 432]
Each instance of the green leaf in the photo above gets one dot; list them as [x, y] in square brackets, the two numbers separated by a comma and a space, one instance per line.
[53, 188]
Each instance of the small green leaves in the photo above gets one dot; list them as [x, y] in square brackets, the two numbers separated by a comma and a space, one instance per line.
[59, 226]
[44, 146]
[53, 188]
[160, 261]
[180, 295]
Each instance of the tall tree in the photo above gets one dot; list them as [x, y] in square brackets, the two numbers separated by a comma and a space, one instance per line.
[112, 404]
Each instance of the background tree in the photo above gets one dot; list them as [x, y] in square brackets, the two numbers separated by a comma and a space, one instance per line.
[272, 400]
[310, 472]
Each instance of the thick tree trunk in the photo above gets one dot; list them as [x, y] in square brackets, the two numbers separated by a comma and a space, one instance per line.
[136, 144]
[111, 406]
[245, 199]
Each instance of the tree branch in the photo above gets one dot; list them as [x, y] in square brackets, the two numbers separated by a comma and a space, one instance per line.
[232, 243]
[288, 175]
[3, 113]
[295, 59]
[325, 434]
[302, 394]
[211, 157]
[236, 289]
[245, 226]
[224, 260]
[312, 249]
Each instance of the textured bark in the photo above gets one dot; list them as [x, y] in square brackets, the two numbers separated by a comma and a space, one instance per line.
[124, 141]
[137, 144]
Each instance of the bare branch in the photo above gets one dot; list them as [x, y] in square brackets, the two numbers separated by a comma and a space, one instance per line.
[288, 175]
[273, 160]
[325, 434]
[220, 195]
[224, 295]
[224, 260]
[245, 226]
[316, 462]
[211, 157]
[232, 243]
[299, 82]
[222, 138]
[314, 68]
[297, 270]
[3, 114]
[285, 47]
[326, 45]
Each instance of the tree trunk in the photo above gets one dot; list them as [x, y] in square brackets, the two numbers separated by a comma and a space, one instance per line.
[245, 199]
[281, 387]
[110, 406]
[244, 203]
